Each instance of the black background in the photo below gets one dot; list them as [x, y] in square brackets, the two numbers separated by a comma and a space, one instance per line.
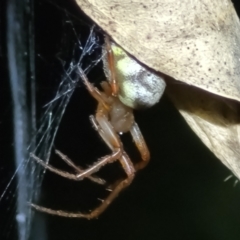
[180, 195]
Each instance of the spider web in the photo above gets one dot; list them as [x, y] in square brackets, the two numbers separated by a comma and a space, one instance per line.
[75, 50]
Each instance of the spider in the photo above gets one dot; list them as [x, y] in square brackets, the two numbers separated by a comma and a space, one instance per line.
[129, 85]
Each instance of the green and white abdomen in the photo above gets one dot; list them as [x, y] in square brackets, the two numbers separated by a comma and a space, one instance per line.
[138, 87]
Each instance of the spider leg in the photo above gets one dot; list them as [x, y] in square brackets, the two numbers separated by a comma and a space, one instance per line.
[77, 168]
[84, 173]
[110, 58]
[106, 131]
[129, 169]
[93, 90]
[141, 145]
[109, 136]
[64, 173]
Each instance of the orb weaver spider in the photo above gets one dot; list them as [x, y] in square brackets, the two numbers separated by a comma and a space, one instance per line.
[129, 85]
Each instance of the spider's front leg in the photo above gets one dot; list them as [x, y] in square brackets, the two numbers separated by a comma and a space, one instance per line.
[110, 58]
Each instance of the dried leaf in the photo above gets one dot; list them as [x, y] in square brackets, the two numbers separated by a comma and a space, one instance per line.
[195, 42]
[214, 119]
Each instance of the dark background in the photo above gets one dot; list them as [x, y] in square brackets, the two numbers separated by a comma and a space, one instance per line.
[180, 195]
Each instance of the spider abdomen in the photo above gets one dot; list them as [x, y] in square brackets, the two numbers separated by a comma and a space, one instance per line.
[138, 86]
